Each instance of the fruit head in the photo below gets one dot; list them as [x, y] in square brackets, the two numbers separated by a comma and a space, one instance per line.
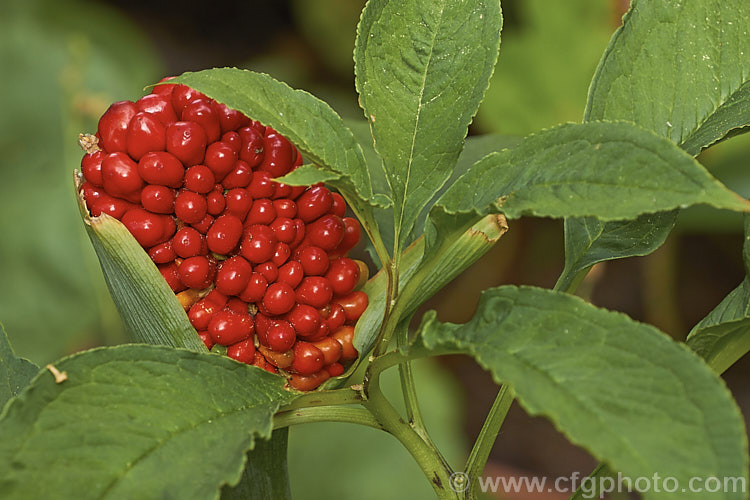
[259, 266]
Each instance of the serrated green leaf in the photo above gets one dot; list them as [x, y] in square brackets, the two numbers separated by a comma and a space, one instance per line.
[578, 170]
[672, 65]
[623, 390]
[136, 421]
[15, 372]
[306, 175]
[680, 69]
[723, 336]
[266, 473]
[314, 128]
[589, 241]
[147, 305]
[421, 71]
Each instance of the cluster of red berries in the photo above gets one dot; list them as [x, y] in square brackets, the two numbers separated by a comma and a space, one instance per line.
[260, 267]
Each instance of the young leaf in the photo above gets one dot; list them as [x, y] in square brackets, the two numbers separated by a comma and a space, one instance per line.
[680, 69]
[623, 390]
[589, 241]
[15, 372]
[146, 303]
[723, 336]
[672, 66]
[309, 123]
[421, 71]
[136, 421]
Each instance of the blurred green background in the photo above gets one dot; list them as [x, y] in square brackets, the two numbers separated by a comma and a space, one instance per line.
[62, 62]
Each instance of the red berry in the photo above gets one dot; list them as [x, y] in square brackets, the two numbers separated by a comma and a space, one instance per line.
[280, 336]
[159, 106]
[261, 186]
[335, 369]
[339, 205]
[227, 327]
[315, 291]
[182, 95]
[238, 203]
[345, 336]
[203, 113]
[204, 225]
[305, 319]
[91, 193]
[308, 359]
[113, 126]
[187, 242]
[291, 273]
[269, 270]
[239, 177]
[262, 212]
[147, 228]
[279, 298]
[145, 134]
[251, 148]
[232, 139]
[190, 207]
[197, 272]
[165, 89]
[326, 232]
[354, 305]
[161, 168]
[352, 233]
[343, 274]
[314, 203]
[237, 305]
[187, 141]
[282, 191]
[201, 312]
[91, 167]
[258, 244]
[233, 275]
[110, 205]
[220, 158]
[243, 351]
[314, 260]
[285, 208]
[336, 317]
[215, 202]
[120, 177]
[331, 349]
[281, 254]
[308, 382]
[224, 234]
[162, 253]
[279, 154]
[284, 228]
[158, 199]
[229, 119]
[209, 342]
[199, 179]
[171, 276]
[255, 289]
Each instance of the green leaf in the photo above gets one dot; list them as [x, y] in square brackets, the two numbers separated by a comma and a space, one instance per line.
[578, 170]
[421, 71]
[15, 372]
[589, 241]
[147, 305]
[136, 421]
[623, 390]
[723, 336]
[306, 175]
[266, 473]
[309, 123]
[673, 65]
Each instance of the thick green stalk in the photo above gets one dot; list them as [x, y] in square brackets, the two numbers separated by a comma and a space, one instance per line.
[325, 414]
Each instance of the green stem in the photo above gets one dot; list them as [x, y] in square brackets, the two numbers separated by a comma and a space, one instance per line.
[325, 398]
[593, 479]
[569, 284]
[325, 414]
[486, 439]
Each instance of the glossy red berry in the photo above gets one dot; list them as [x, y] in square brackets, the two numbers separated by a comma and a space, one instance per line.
[233, 275]
[215, 202]
[243, 351]
[113, 126]
[255, 289]
[261, 186]
[314, 203]
[308, 382]
[91, 167]
[262, 212]
[258, 244]
[279, 298]
[199, 179]
[172, 277]
[148, 228]
[120, 177]
[339, 205]
[201, 313]
[280, 336]
[158, 199]
[331, 349]
[229, 119]
[345, 336]
[220, 158]
[162, 253]
[335, 369]
[305, 319]
[227, 327]
[182, 95]
[197, 272]
[145, 134]
[190, 207]
[285, 208]
[269, 270]
[224, 234]
[161, 168]
[314, 291]
[187, 242]
[187, 141]
[314, 260]
[203, 113]
[308, 359]
[238, 203]
[159, 106]
[251, 146]
[291, 273]
[326, 232]
[343, 275]
[239, 177]
[279, 154]
[284, 228]
[354, 305]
